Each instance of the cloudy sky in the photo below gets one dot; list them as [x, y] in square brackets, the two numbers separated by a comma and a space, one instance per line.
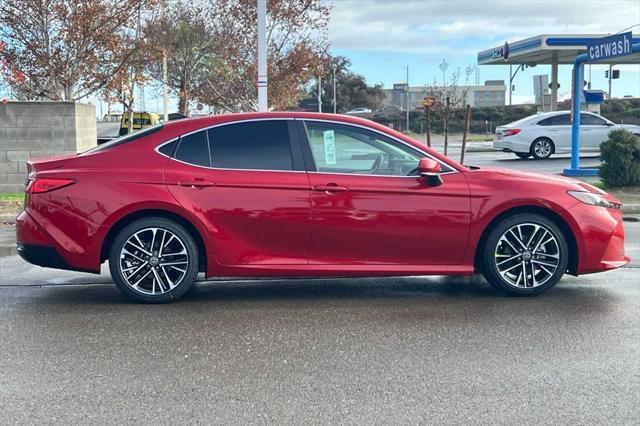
[381, 37]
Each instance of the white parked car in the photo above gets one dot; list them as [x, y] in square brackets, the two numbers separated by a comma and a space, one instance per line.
[358, 111]
[541, 135]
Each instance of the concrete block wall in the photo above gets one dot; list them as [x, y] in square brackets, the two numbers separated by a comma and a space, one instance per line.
[41, 129]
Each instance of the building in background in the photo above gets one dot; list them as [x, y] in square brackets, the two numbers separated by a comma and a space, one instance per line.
[491, 93]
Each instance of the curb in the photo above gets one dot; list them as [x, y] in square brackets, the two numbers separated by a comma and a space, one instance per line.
[631, 208]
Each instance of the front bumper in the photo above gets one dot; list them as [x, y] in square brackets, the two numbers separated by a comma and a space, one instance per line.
[602, 238]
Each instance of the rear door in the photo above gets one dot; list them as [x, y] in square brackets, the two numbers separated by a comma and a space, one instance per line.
[558, 129]
[247, 182]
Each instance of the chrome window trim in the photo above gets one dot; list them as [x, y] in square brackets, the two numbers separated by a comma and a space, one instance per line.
[226, 123]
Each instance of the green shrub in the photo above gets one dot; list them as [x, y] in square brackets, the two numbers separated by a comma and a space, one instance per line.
[620, 156]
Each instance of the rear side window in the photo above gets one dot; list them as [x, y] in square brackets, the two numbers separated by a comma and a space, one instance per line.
[254, 145]
[591, 120]
[194, 149]
[556, 120]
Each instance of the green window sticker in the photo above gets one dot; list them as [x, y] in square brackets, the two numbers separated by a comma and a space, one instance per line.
[329, 138]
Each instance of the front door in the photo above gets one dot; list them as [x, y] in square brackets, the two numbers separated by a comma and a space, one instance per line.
[594, 131]
[371, 207]
[248, 184]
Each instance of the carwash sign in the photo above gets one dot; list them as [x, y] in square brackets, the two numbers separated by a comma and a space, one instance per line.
[609, 47]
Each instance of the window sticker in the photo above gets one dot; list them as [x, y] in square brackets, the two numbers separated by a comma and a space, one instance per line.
[329, 146]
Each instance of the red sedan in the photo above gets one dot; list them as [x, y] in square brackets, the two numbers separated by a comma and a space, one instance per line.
[301, 195]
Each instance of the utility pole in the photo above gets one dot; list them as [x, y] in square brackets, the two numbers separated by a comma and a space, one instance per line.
[407, 98]
[335, 105]
[319, 93]
[262, 55]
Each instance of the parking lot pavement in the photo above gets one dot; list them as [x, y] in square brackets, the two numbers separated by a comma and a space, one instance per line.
[394, 350]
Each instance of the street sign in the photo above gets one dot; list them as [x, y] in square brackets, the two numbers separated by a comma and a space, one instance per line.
[428, 101]
[609, 47]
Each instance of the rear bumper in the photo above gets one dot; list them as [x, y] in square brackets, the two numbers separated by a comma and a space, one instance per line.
[45, 256]
[511, 146]
[41, 243]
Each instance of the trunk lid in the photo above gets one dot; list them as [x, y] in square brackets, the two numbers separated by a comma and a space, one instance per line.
[36, 165]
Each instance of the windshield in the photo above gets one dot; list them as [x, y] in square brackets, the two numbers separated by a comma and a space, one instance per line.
[125, 139]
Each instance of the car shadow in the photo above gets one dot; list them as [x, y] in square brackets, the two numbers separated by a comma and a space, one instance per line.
[409, 295]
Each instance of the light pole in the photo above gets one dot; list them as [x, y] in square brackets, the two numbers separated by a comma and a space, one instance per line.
[335, 105]
[512, 76]
[262, 55]
[319, 93]
[443, 67]
[406, 98]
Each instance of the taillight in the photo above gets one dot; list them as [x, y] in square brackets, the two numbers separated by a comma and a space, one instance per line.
[40, 185]
[510, 132]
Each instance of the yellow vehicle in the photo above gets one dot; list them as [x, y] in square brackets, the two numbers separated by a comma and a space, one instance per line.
[141, 120]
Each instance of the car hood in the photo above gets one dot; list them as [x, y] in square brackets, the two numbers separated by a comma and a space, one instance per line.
[568, 183]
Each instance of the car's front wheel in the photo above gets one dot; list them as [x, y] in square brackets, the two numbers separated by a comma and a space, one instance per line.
[524, 254]
[542, 148]
[153, 260]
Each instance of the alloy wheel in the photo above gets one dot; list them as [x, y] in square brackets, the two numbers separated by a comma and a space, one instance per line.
[153, 261]
[527, 255]
[542, 148]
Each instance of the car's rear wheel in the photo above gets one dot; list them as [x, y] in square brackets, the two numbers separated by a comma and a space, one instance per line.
[542, 148]
[524, 254]
[153, 260]
[523, 155]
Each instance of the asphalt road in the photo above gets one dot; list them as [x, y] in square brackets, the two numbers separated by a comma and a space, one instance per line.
[398, 350]
[402, 350]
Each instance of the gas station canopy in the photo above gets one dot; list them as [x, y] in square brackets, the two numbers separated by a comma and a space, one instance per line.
[548, 49]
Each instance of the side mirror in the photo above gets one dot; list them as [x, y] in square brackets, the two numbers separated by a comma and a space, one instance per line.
[430, 170]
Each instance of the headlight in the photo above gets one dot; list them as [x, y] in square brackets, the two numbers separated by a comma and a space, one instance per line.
[593, 199]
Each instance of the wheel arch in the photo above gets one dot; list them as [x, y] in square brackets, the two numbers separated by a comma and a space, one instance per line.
[117, 226]
[564, 226]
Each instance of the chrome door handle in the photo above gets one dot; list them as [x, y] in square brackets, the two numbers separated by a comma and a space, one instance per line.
[331, 188]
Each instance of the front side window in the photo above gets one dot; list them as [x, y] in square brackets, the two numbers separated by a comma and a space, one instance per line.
[338, 148]
[193, 149]
[254, 145]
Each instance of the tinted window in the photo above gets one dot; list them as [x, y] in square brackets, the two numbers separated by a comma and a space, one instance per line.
[193, 149]
[255, 145]
[556, 120]
[346, 149]
[169, 148]
[591, 120]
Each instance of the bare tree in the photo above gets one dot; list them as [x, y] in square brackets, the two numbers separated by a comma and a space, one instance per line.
[68, 49]
[296, 50]
[451, 99]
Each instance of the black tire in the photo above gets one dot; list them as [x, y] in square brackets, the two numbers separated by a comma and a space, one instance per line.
[184, 278]
[542, 148]
[491, 251]
[522, 155]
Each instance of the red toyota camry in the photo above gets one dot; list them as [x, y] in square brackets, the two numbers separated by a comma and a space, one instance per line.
[300, 195]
